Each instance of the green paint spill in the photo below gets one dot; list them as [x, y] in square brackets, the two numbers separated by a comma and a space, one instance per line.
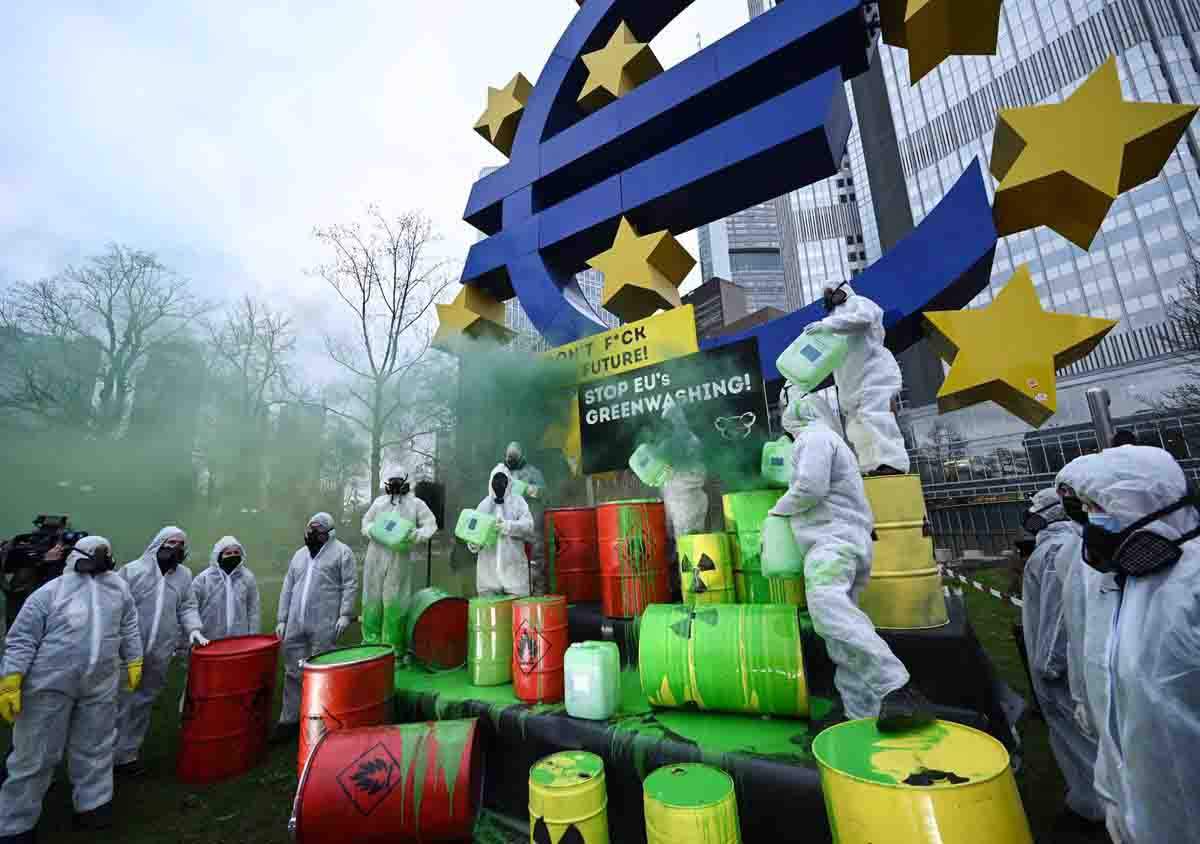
[372, 622]
[853, 748]
[452, 738]
[552, 551]
[689, 786]
[355, 654]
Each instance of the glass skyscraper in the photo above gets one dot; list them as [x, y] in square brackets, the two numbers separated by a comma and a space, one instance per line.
[745, 248]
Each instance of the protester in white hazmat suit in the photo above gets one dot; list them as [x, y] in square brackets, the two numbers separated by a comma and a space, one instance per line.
[316, 605]
[832, 523]
[227, 593]
[1046, 640]
[161, 586]
[503, 568]
[867, 381]
[684, 496]
[73, 643]
[535, 496]
[388, 574]
[1142, 525]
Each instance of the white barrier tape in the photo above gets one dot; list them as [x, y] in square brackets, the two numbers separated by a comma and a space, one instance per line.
[982, 587]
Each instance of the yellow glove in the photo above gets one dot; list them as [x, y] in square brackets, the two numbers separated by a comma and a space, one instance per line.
[10, 697]
[133, 677]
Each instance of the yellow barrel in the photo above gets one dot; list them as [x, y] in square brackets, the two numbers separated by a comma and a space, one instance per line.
[567, 795]
[940, 784]
[706, 569]
[905, 590]
[686, 803]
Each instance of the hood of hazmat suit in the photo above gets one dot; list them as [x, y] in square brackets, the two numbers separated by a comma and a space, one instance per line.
[228, 603]
[867, 381]
[504, 567]
[318, 590]
[684, 496]
[1152, 723]
[166, 604]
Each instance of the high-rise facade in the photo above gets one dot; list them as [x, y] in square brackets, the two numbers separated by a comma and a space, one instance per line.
[745, 248]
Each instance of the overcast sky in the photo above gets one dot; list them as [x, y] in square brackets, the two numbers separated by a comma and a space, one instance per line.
[217, 134]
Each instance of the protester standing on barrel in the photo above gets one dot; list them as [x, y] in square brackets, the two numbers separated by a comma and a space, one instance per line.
[503, 568]
[315, 608]
[534, 493]
[75, 639]
[227, 593]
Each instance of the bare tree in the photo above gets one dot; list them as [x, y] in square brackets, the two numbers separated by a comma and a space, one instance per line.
[1183, 314]
[383, 272]
[118, 307]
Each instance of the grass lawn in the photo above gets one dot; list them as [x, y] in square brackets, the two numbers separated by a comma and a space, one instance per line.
[255, 808]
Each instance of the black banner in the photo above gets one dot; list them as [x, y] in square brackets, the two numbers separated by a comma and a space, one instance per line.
[723, 399]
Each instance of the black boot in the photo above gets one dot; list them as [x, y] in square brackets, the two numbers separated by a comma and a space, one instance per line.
[904, 709]
[283, 733]
[884, 471]
[98, 818]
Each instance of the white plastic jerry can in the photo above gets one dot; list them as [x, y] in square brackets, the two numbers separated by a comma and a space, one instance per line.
[649, 465]
[811, 358]
[781, 555]
[592, 680]
[777, 462]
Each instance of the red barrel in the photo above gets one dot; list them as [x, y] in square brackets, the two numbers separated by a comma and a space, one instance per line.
[344, 688]
[633, 557]
[437, 629]
[227, 708]
[382, 785]
[539, 642]
[571, 550]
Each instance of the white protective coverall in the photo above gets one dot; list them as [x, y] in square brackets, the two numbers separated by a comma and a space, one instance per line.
[1151, 726]
[167, 613]
[318, 592]
[229, 604]
[387, 574]
[504, 568]
[684, 496]
[867, 381]
[1048, 640]
[68, 643]
[532, 475]
[831, 518]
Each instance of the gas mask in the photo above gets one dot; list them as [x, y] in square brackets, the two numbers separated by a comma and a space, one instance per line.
[1033, 521]
[834, 296]
[315, 539]
[96, 562]
[514, 459]
[169, 557]
[499, 486]
[1074, 510]
[229, 563]
[397, 486]
[1109, 548]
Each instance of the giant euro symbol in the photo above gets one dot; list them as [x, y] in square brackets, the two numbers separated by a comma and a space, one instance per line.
[759, 113]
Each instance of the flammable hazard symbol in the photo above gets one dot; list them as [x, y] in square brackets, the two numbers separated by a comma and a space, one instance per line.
[532, 648]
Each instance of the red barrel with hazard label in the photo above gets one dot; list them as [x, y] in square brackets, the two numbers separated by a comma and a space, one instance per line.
[539, 644]
[343, 688]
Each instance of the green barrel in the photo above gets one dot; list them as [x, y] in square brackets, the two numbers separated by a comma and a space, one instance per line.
[725, 657]
[490, 641]
[745, 515]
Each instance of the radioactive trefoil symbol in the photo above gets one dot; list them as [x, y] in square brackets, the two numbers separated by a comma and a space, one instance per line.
[705, 564]
[541, 834]
[683, 627]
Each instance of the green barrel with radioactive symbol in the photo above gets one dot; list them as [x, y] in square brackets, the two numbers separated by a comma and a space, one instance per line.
[706, 569]
[568, 802]
[724, 657]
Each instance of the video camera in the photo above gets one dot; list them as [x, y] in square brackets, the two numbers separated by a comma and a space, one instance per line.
[23, 563]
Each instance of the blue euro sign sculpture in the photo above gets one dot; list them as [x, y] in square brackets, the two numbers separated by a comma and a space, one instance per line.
[759, 113]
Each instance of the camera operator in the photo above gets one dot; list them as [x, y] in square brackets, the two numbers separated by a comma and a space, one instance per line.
[29, 560]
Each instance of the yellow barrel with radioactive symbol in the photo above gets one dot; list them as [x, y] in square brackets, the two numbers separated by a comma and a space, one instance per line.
[568, 803]
[905, 590]
[939, 784]
[706, 569]
[690, 803]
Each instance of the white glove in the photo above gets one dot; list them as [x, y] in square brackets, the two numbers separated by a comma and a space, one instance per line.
[197, 639]
[473, 548]
[279, 628]
[1083, 721]
[342, 623]
[533, 492]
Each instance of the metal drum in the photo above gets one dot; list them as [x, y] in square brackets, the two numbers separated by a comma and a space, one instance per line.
[706, 569]
[941, 784]
[632, 538]
[572, 553]
[690, 802]
[227, 708]
[437, 629]
[567, 799]
[489, 641]
[905, 590]
[344, 688]
[726, 657]
[381, 785]
[745, 515]
[539, 631]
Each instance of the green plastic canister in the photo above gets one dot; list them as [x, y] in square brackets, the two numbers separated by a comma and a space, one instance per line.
[392, 532]
[649, 465]
[593, 680]
[475, 528]
[781, 556]
[812, 358]
[777, 462]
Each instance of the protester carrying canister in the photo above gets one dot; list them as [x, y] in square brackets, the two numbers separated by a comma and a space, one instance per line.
[395, 525]
[73, 643]
[503, 568]
[530, 477]
[316, 605]
[1142, 524]
[684, 496]
[227, 593]
[832, 522]
[1047, 640]
[161, 586]
[868, 381]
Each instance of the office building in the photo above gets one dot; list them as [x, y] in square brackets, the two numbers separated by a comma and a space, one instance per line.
[745, 248]
[718, 302]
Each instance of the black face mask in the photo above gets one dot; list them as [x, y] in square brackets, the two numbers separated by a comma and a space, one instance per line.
[168, 558]
[1074, 509]
[315, 540]
[397, 487]
[1033, 521]
[1134, 551]
[514, 463]
[832, 298]
[97, 562]
[228, 564]
[499, 485]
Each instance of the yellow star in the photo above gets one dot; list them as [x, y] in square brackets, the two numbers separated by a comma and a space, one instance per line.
[618, 68]
[472, 314]
[1009, 351]
[498, 124]
[1064, 165]
[934, 30]
[642, 274]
